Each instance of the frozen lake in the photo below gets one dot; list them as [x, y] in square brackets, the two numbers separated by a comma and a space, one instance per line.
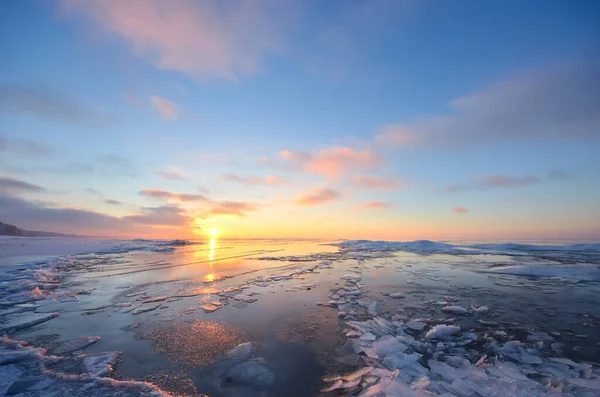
[143, 317]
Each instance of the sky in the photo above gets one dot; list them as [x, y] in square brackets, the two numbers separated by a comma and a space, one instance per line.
[374, 119]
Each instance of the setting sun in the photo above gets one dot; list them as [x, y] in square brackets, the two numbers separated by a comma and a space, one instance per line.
[212, 232]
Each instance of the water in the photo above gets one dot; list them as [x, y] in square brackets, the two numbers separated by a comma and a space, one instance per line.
[145, 299]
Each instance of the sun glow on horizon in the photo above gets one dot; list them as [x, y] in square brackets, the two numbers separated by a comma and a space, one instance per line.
[212, 232]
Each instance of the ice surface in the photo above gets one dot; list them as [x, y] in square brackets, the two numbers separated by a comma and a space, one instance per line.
[582, 271]
[251, 373]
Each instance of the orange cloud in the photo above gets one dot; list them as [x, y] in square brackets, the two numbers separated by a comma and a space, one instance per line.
[205, 39]
[165, 108]
[318, 197]
[333, 162]
[164, 195]
[235, 208]
[460, 210]
[377, 183]
[376, 205]
[254, 180]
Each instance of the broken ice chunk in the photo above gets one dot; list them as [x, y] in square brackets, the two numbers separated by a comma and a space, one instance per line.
[454, 309]
[21, 321]
[72, 345]
[335, 385]
[479, 309]
[442, 331]
[241, 352]
[140, 310]
[357, 374]
[210, 308]
[387, 345]
[397, 295]
[416, 325]
[155, 299]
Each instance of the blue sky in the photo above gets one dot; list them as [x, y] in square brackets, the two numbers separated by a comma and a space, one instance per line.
[371, 119]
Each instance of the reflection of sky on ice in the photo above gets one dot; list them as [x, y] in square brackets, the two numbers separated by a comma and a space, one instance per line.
[160, 293]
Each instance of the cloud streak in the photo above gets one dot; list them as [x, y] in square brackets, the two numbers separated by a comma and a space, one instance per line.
[172, 173]
[11, 185]
[460, 210]
[376, 205]
[165, 195]
[250, 180]
[377, 183]
[49, 104]
[318, 197]
[24, 147]
[204, 39]
[495, 181]
[555, 103]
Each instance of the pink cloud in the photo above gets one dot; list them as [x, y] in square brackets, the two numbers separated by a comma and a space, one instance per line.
[460, 210]
[333, 162]
[254, 180]
[377, 183]
[396, 135]
[376, 205]
[165, 108]
[318, 197]
[205, 39]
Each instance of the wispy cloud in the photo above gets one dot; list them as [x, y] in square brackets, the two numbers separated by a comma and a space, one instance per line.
[460, 210]
[11, 185]
[235, 208]
[165, 108]
[333, 162]
[560, 175]
[167, 215]
[112, 202]
[172, 173]
[376, 205]
[377, 183]
[114, 164]
[495, 181]
[165, 195]
[254, 180]
[36, 215]
[24, 147]
[47, 103]
[561, 102]
[205, 39]
[318, 197]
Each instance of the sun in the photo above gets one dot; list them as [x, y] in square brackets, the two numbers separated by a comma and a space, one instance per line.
[212, 232]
